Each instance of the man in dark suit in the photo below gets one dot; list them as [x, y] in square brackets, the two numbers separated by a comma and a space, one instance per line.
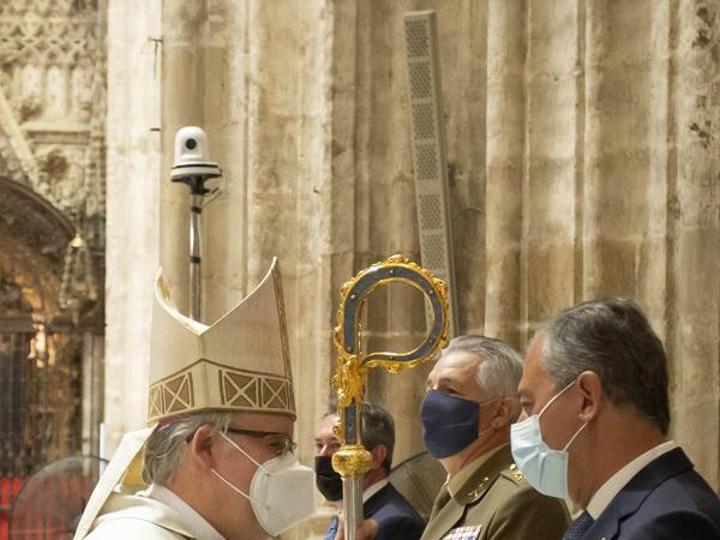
[594, 428]
[396, 519]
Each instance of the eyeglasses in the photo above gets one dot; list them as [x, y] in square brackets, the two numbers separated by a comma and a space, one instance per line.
[280, 442]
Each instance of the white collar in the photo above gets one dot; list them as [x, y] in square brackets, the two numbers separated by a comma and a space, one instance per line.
[199, 526]
[371, 490]
[619, 480]
[374, 488]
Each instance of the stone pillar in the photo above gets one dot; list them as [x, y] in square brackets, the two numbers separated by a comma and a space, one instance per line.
[553, 135]
[506, 50]
[133, 176]
[184, 80]
[93, 392]
[464, 42]
[618, 64]
[694, 168]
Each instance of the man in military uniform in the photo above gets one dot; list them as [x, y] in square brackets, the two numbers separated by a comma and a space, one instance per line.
[470, 403]
[217, 461]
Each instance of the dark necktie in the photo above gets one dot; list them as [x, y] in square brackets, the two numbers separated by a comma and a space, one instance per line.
[332, 530]
[579, 527]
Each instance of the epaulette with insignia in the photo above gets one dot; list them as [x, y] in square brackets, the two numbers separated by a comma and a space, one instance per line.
[516, 473]
[479, 490]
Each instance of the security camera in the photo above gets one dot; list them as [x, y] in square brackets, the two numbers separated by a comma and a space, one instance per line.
[192, 163]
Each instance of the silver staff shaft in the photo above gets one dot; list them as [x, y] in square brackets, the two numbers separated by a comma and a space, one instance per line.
[196, 202]
[352, 505]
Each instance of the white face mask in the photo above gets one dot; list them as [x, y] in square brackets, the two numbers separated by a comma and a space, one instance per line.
[544, 468]
[282, 492]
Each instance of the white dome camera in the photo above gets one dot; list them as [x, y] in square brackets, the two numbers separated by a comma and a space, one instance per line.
[192, 158]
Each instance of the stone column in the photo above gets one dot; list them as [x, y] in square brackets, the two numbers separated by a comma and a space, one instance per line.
[618, 63]
[506, 118]
[554, 133]
[133, 186]
[463, 29]
[183, 85]
[694, 168]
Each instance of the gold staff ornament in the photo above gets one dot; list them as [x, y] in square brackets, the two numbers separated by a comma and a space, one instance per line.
[352, 460]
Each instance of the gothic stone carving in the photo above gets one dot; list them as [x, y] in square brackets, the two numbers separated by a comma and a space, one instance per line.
[52, 73]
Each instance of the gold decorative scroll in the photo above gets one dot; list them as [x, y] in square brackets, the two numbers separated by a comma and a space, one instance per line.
[352, 459]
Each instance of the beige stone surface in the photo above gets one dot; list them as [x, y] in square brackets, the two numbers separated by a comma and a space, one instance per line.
[583, 155]
[133, 179]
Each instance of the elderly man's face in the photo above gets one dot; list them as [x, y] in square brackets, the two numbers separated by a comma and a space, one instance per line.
[262, 445]
[326, 444]
[455, 374]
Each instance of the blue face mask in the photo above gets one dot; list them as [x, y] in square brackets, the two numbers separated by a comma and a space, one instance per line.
[544, 468]
[450, 423]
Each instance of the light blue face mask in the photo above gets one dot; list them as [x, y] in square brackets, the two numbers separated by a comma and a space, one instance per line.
[544, 468]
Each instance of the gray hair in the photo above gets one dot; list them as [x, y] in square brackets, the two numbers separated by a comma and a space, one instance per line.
[378, 427]
[500, 367]
[166, 445]
[614, 339]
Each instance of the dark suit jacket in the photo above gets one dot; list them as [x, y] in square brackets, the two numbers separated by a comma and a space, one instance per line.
[665, 500]
[397, 520]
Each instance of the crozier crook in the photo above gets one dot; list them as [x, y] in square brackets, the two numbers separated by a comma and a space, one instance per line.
[353, 460]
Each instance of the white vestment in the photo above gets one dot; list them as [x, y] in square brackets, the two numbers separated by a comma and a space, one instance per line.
[153, 514]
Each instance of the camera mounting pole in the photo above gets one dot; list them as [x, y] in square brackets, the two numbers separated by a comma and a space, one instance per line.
[193, 167]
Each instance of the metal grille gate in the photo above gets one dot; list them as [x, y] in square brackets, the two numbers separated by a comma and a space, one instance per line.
[40, 405]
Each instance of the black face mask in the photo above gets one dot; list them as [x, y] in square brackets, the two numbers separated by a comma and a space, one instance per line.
[328, 482]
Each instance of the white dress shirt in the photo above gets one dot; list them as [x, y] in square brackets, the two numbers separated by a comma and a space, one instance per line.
[620, 479]
[367, 493]
[192, 519]
[373, 489]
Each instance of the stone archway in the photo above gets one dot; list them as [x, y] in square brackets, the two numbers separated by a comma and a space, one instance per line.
[34, 236]
[43, 364]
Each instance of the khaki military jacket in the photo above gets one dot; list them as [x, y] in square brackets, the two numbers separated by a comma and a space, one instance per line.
[496, 503]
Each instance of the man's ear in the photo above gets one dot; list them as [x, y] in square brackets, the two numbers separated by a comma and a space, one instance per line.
[505, 413]
[591, 393]
[379, 454]
[201, 447]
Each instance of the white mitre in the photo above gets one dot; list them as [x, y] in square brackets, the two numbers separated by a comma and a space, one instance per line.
[239, 363]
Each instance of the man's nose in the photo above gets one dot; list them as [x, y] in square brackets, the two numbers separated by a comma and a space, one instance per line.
[325, 450]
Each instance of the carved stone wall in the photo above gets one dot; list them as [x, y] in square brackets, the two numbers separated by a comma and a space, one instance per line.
[52, 77]
[583, 149]
[52, 178]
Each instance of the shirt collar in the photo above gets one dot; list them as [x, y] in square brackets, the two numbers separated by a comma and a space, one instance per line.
[619, 480]
[197, 524]
[374, 488]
